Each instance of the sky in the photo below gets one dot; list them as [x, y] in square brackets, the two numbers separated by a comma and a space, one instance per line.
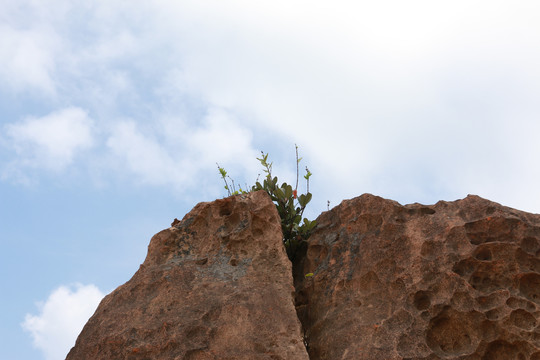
[113, 115]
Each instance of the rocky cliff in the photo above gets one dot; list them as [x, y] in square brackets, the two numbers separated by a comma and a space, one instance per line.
[454, 280]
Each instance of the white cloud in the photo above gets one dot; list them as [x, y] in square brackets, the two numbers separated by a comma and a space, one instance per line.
[61, 318]
[52, 141]
[175, 154]
[407, 100]
[27, 59]
[221, 137]
[143, 156]
[388, 97]
[51, 48]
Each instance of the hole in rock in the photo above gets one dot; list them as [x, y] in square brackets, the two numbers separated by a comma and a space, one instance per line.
[422, 300]
[430, 249]
[530, 245]
[527, 262]
[489, 330]
[488, 281]
[523, 319]
[464, 267]
[201, 261]
[454, 333]
[483, 254]
[529, 286]
[226, 207]
[482, 231]
[502, 350]
[494, 314]
[515, 303]
[426, 211]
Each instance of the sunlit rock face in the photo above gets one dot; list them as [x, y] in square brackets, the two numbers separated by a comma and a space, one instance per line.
[455, 280]
[376, 281]
[216, 285]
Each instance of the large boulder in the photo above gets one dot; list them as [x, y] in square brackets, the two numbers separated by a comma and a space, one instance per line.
[456, 280]
[216, 285]
[377, 280]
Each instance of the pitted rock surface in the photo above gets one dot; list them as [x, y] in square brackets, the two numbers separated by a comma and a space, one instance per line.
[216, 285]
[455, 280]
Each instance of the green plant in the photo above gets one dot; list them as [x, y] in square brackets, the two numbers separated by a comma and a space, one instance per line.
[231, 190]
[289, 205]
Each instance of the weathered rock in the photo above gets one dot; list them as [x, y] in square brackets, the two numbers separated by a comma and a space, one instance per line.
[216, 285]
[456, 280]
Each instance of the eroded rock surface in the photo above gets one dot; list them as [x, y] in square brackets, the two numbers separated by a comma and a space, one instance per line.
[216, 285]
[456, 280]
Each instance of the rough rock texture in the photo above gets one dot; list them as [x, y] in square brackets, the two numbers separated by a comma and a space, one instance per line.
[216, 285]
[456, 280]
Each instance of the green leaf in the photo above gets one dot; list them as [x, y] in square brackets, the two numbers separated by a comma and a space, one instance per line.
[310, 224]
[302, 200]
[279, 193]
[288, 190]
[290, 205]
[308, 174]
[308, 275]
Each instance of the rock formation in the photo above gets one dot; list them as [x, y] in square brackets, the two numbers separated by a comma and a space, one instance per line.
[376, 281]
[456, 280]
[216, 285]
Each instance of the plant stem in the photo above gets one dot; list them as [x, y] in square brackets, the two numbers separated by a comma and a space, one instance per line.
[296, 187]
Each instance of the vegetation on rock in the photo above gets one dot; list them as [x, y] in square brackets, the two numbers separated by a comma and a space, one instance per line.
[289, 204]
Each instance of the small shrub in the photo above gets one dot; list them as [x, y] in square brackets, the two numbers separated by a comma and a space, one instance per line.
[289, 204]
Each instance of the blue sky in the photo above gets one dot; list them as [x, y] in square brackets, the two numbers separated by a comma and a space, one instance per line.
[113, 115]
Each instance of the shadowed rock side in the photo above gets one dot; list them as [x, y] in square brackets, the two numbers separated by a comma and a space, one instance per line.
[456, 280]
[216, 285]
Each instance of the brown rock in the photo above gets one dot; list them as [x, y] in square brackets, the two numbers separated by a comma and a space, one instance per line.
[216, 285]
[456, 280]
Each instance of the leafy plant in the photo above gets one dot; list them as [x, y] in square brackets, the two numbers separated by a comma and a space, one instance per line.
[289, 205]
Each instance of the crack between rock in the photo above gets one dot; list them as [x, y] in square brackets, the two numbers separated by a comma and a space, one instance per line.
[297, 283]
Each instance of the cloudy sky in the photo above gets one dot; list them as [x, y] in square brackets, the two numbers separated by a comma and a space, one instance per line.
[113, 115]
